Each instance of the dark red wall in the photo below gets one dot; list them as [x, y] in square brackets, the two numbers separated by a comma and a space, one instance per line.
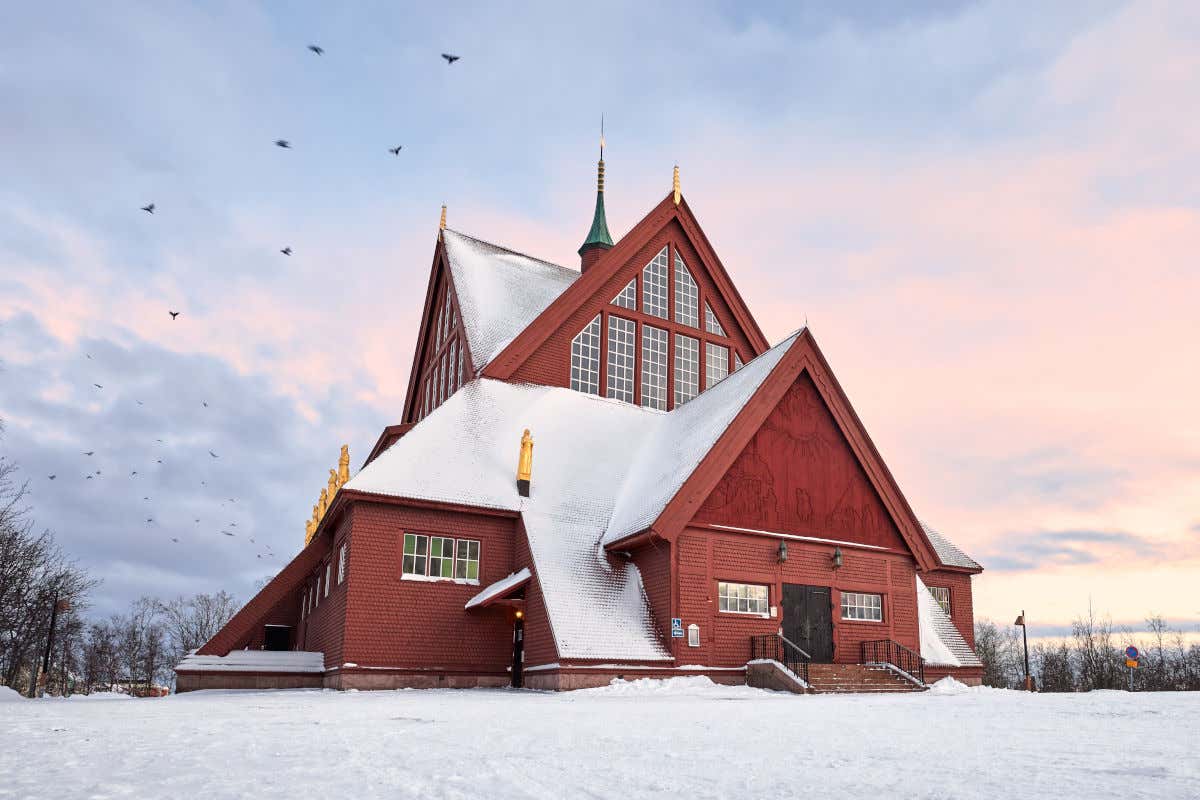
[653, 560]
[418, 624]
[798, 475]
[540, 647]
[323, 630]
[707, 556]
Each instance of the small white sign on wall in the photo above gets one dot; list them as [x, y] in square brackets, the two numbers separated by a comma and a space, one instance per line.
[693, 635]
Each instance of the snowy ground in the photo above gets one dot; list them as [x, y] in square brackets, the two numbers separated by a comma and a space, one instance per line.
[649, 739]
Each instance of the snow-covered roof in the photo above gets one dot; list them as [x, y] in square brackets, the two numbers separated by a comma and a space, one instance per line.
[947, 551]
[254, 661]
[500, 587]
[499, 291]
[941, 643]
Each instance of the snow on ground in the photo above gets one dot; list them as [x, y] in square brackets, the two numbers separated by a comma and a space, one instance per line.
[644, 739]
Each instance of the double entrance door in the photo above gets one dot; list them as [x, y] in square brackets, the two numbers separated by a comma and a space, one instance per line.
[808, 620]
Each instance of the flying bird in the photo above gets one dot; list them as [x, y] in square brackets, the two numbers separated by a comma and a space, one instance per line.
[287, 251]
[227, 533]
[214, 455]
[51, 477]
[89, 355]
[173, 539]
[149, 520]
[396, 150]
[133, 473]
[97, 472]
[158, 440]
[98, 386]
[284, 143]
[139, 402]
[148, 209]
[145, 498]
[173, 314]
[90, 453]
[197, 519]
[449, 58]
[204, 403]
[89, 477]
[159, 461]
[316, 49]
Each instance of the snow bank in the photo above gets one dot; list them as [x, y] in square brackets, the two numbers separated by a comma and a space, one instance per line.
[698, 687]
[948, 685]
[101, 696]
[8, 695]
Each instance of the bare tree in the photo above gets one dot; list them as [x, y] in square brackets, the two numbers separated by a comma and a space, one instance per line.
[192, 621]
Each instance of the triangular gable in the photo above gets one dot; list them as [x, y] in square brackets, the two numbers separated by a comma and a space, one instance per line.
[603, 282]
[799, 475]
[802, 357]
[442, 344]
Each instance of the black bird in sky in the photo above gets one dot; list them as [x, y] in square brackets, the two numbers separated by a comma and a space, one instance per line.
[133, 473]
[316, 49]
[145, 498]
[284, 143]
[159, 461]
[89, 355]
[287, 251]
[98, 386]
[90, 453]
[89, 477]
[139, 402]
[51, 477]
[227, 533]
[158, 440]
[204, 403]
[214, 455]
[173, 314]
[449, 58]
[396, 150]
[149, 520]
[148, 209]
[97, 472]
[197, 519]
[173, 539]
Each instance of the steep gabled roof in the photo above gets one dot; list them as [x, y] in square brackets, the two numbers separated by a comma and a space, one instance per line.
[948, 552]
[500, 291]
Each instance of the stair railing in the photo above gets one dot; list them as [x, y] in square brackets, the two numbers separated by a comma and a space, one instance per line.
[888, 652]
[775, 647]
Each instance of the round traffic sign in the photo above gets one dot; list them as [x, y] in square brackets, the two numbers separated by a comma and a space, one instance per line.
[1131, 653]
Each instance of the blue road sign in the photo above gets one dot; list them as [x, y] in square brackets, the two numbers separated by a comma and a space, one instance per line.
[1132, 653]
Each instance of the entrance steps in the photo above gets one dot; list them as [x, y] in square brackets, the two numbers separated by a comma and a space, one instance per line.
[856, 678]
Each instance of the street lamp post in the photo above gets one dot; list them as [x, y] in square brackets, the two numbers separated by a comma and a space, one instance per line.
[1025, 640]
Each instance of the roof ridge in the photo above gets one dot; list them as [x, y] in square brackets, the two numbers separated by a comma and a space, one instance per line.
[513, 252]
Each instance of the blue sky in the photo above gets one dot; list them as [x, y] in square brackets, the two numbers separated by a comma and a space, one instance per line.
[987, 211]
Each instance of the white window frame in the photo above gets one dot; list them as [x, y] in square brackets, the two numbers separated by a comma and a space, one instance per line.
[687, 295]
[463, 563]
[711, 323]
[942, 595]
[656, 277]
[585, 358]
[716, 364]
[687, 368]
[328, 574]
[418, 540]
[862, 607]
[622, 358]
[756, 597]
[655, 346]
[627, 297]
[342, 564]
[737, 361]
[456, 562]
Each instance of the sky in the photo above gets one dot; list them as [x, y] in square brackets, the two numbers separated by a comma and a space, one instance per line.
[988, 214]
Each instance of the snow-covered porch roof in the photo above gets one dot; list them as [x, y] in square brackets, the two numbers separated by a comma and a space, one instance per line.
[500, 589]
[291, 661]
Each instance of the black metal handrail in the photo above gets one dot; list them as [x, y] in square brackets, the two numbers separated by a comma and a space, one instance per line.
[886, 651]
[775, 647]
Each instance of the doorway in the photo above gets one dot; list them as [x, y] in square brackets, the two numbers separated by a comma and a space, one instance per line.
[808, 620]
[277, 637]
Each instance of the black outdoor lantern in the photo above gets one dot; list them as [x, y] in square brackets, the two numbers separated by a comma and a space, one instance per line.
[782, 550]
[837, 558]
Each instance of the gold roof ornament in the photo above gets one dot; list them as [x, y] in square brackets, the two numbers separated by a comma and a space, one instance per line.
[337, 479]
[442, 224]
[322, 504]
[525, 464]
[675, 184]
[344, 465]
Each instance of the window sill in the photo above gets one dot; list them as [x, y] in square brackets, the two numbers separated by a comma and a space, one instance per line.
[749, 614]
[434, 579]
[864, 621]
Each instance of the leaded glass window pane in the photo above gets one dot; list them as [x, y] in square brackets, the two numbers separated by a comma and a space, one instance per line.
[687, 368]
[585, 359]
[654, 286]
[711, 323]
[687, 296]
[628, 296]
[716, 364]
[654, 368]
[622, 343]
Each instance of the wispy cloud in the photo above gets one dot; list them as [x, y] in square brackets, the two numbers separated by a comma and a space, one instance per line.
[1048, 550]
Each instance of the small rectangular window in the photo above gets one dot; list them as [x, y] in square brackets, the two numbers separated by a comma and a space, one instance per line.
[654, 286]
[341, 563]
[686, 295]
[328, 570]
[862, 606]
[441, 557]
[622, 352]
[467, 563]
[687, 368]
[317, 593]
[742, 598]
[942, 595]
[654, 368]
[716, 364]
[416, 554]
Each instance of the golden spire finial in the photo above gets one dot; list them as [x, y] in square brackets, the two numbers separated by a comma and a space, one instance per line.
[442, 224]
[525, 464]
[344, 465]
[322, 504]
[332, 485]
[675, 184]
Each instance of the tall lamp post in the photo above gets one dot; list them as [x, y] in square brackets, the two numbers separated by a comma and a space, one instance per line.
[1025, 640]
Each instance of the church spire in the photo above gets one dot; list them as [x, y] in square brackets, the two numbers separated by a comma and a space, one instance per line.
[598, 239]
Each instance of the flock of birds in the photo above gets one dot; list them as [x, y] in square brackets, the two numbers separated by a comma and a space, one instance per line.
[149, 208]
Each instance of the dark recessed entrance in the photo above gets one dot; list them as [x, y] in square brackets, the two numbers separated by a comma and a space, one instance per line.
[808, 620]
[277, 637]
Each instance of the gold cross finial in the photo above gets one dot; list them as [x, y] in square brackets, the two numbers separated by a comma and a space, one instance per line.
[675, 184]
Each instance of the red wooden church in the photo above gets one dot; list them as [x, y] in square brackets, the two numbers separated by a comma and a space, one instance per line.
[608, 472]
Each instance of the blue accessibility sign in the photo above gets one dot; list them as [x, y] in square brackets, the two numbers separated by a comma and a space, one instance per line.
[676, 628]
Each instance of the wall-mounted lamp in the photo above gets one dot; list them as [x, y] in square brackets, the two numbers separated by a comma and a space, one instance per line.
[782, 550]
[837, 558]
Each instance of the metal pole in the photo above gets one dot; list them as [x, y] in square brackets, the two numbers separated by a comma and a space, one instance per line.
[1025, 640]
[1131, 679]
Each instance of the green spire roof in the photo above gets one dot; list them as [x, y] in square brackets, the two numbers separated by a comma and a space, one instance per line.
[598, 236]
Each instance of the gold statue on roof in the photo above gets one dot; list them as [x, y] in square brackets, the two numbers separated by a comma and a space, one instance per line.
[333, 485]
[344, 465]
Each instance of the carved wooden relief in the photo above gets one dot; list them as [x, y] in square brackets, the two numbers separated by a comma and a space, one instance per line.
[799, 475]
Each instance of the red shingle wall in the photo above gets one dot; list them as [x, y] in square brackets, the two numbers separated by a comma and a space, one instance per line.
[422, 624]
[962, 610]
[323, 630]
[540, 647]
[654, 562]
[550, 364]
[706, 557]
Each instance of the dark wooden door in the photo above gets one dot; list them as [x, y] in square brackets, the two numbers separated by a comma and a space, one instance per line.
[808, 620]
[277, 637]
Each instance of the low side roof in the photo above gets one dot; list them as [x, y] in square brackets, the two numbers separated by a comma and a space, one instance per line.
[499, 291]
[941, 643]
[947, 551]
